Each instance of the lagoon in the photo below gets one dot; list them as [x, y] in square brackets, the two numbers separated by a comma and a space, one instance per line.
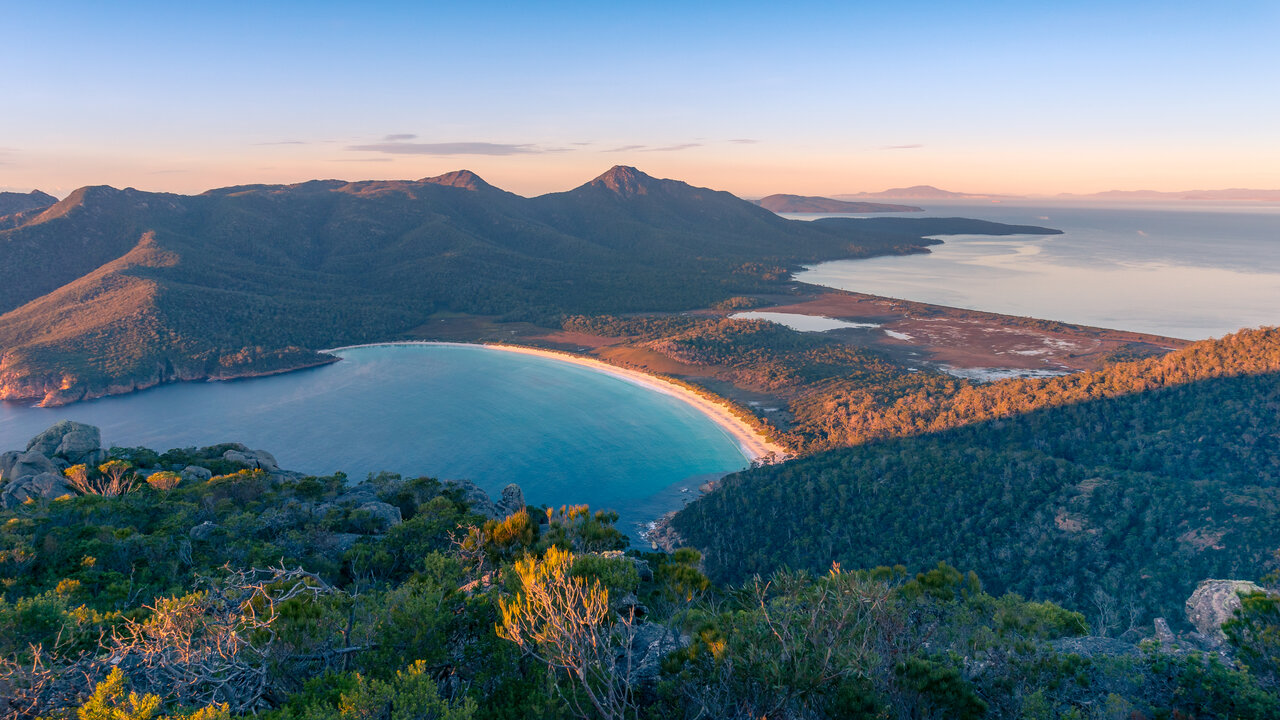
[1190, 272]
[564, 433]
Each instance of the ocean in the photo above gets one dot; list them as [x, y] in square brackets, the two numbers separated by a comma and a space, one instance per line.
[566, 434]
[1190, 272]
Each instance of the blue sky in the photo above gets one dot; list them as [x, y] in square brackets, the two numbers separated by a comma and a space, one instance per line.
[749, 97]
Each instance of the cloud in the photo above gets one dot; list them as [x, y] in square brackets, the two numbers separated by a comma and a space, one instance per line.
[456, 148]
[901, 147]
[627, 148]
[400, 136]
[672, 148]
[744, 141]
[361, 160]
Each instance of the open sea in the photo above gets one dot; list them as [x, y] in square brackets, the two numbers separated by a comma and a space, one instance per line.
[1186, 271]
[564, 433]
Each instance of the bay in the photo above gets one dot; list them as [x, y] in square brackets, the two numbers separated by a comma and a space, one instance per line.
[564, 433]
[1182, 271]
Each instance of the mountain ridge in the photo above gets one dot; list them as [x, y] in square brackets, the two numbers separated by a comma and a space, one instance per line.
[123, 289]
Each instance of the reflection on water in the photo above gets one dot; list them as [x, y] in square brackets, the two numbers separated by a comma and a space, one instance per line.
[803, 323]
[1188, 274]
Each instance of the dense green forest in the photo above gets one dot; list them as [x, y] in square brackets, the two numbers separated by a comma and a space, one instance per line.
[1080, 489]
[199, 586]
[122, 288]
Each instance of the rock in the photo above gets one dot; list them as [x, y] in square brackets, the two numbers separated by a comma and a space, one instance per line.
[358, 495]
[476, 498]
[512, 499]
[388, 515]
[1213, 603]
[28, 464]
[257, 459]
[336, 544]
[203, 532]
[93, 458]
[1090, 647]
[67, 439]
[650, 643]
[45, 486]
[196, 473]
[1164, 634]
[642, 566]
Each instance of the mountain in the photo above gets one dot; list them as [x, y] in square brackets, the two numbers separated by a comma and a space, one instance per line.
[811, 204]
[114, 290]
[12, 202]
[15, 208]
[920, 192]
[1139, 480]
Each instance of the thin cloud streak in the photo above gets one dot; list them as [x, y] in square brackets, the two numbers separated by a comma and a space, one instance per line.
[458, 148]
[627, 148]
[901, 147]
[744, 141]
[400, 136]
[672, 148]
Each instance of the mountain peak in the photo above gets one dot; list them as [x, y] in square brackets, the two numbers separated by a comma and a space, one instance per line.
[625, 180]
[464, 179]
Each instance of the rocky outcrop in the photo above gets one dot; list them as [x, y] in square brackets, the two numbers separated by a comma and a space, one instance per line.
[15, 465]
[195, 473]
[257, 459]
[512, 499]
[1213, 603]
[35, 474]
[73, 441]
[649, 644]
[386, 514]
[46, 486]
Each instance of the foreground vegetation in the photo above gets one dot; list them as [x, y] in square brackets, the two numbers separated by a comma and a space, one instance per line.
[306, 597]
[1121, 488]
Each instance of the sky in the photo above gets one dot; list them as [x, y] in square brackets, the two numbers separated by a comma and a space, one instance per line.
[754, 98]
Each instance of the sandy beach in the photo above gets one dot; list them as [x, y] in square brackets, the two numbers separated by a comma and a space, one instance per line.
[754, 445]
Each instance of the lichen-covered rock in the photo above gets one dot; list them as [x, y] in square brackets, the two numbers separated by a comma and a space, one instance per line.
[27, 464]
[196, 473]
[388, 515]
[512, 499]
[650, 643]
[257, 459]
[45, 486]
[67, 439]
[475, 497]
[1213, 603]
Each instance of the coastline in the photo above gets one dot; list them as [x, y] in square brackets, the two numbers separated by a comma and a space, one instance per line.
[754, 446]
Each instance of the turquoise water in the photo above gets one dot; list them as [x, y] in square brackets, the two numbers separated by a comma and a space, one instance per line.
[1183, 271]
[564, 433]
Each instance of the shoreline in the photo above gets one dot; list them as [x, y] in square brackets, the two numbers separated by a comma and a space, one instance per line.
[753, 445]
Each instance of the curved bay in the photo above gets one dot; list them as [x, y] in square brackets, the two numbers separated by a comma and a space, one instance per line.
[565, 433]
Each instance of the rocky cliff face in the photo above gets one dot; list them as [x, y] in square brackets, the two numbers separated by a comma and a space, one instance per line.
[17, 383]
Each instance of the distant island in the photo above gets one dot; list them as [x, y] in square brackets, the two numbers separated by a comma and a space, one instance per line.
[929, 192]
[922, 192]
[781, 203]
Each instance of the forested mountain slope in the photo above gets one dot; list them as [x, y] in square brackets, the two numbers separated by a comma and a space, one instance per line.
[116, 289]
[1147, 477]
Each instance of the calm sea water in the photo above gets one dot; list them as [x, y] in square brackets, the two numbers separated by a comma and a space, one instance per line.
[564, 433]
[1188, 272]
